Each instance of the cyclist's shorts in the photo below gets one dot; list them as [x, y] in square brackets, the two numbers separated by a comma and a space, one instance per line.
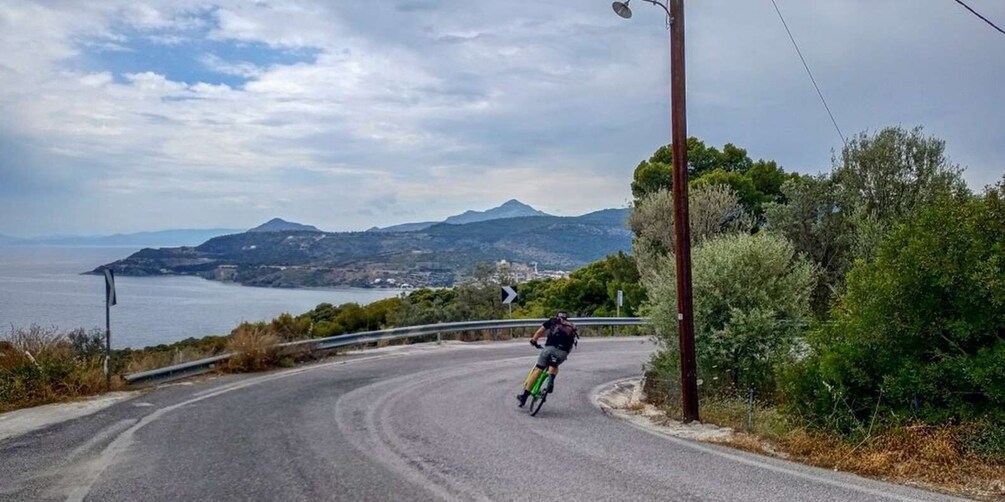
[548, 353]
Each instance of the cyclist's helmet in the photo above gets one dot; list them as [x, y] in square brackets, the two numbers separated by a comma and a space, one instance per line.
[562, 315]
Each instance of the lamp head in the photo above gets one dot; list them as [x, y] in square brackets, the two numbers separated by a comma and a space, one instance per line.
[622, 9]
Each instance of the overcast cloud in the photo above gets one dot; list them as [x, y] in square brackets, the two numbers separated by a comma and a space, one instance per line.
[120, 116]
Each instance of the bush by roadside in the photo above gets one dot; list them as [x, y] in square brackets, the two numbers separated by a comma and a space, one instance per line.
[919, 334]
[40, 365]
[254, 347]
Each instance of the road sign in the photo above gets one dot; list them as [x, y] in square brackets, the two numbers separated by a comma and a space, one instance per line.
[508, 294]
[621, 298]
[109, 286]
[109, 301]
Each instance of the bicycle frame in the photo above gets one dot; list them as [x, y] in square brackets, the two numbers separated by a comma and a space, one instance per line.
[540, 382]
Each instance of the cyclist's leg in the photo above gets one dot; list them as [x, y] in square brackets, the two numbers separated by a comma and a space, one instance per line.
[528, 384]
[543, 361]
[556, 358]
[531, 378]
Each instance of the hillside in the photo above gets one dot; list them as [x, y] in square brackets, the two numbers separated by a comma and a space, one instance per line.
[435, 256]
[281, 225]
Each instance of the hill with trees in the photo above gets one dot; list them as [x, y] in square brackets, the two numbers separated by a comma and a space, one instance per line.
[436, 256]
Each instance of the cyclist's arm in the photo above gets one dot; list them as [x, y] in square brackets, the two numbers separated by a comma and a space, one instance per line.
[537, 335]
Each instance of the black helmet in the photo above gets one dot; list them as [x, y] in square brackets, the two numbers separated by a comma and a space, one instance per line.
[562, 315]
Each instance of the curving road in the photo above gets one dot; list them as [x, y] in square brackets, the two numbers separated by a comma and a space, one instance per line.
[415, 423]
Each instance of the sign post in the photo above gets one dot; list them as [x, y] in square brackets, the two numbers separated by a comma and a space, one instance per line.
[109, 301]
[621, 301]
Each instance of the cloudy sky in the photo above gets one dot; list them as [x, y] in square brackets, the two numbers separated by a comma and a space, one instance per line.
[120, 116]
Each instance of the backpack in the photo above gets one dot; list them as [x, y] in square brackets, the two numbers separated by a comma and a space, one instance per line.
[563, 335]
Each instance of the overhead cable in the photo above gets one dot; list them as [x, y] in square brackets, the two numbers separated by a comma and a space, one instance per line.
[986, 20]
[810, 73]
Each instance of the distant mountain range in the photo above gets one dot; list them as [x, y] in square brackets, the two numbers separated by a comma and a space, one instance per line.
[162, 238]
[435, 255]
[510, 209]
[193, 237]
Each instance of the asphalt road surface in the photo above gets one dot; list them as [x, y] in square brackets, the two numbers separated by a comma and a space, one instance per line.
[422, 423]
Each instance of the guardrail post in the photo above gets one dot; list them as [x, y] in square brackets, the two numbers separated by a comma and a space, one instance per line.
[439, 338]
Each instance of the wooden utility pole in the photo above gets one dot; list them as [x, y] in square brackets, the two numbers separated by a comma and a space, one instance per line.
[682, 232]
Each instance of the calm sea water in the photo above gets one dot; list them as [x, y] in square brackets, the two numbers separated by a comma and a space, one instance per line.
[43, 285]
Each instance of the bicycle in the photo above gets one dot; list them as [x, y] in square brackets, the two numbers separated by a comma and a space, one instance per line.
[539, 392]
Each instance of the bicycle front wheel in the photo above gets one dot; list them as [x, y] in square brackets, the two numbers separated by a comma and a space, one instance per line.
[539, 399]
[537, 403]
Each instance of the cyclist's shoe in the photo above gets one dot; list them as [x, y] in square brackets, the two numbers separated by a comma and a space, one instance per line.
[522, 398]
[551, 388]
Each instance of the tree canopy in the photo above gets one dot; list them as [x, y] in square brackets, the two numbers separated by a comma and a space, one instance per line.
[756, 182]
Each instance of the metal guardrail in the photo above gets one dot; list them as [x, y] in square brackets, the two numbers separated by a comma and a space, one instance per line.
[202, 366]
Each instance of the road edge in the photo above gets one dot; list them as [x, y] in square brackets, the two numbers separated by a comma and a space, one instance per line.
[26, 420]
[621, 399]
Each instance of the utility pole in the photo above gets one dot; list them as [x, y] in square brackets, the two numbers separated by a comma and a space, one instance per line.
[681, 224]
[682, 231]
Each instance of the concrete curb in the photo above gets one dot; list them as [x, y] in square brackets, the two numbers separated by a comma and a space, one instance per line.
[625, 399]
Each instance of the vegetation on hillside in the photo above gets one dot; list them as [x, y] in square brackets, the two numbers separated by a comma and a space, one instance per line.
[863, 307]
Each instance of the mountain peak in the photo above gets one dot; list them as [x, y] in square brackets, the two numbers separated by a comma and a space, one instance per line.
[281, 225]
[512, 203]
[509, 209]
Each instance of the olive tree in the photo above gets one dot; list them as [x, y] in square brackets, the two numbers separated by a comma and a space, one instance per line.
[751, 300]
[712, 210]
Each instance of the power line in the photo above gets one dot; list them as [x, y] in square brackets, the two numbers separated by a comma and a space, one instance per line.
[986, 20]
[808, 72]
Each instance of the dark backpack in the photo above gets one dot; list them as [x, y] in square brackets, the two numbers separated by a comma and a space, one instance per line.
[563, 335]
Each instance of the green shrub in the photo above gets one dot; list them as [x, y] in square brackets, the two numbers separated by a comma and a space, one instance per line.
[751, 300]
[289, 328]
[87, 344]
[919, 333]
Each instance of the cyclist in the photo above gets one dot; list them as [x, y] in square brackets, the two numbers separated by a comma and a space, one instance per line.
[562, 337]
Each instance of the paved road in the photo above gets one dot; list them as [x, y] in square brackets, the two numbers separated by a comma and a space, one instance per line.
[425, 423]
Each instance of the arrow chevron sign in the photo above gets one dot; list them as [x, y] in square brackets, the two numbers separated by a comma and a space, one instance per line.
[508, 294]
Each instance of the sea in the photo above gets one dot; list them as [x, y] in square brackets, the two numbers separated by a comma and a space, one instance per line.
[45, 286]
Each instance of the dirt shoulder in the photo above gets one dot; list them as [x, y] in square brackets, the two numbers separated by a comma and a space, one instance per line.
[911, 457]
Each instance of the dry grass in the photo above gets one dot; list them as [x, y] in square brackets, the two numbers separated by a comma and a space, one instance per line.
[40, 365]
[936, 458]
[929, 456]
[254, 349]
[145, 360]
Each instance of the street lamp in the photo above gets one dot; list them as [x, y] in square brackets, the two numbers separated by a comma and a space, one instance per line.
[682, 235]
[622, 9]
